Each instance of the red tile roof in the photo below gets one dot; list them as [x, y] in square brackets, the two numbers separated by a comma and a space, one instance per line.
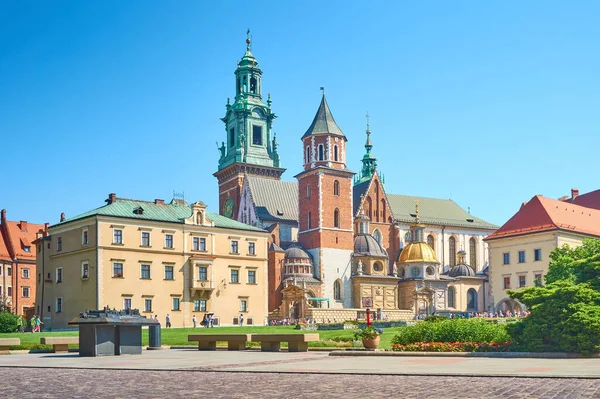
[546, 214]
[4, 254]
[16, 237]
[589, 200]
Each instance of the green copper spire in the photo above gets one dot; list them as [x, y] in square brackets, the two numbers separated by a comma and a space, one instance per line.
[369, 162]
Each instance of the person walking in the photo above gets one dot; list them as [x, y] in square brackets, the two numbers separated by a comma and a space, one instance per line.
[168, 321]
[241, 320]
[21, 323]
[195, 321]
[32, 322]
[38, 324]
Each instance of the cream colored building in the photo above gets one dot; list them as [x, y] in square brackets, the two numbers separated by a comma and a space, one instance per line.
[161, 258]
[520, 249]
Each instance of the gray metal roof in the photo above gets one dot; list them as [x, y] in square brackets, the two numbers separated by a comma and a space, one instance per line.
[366, 245]
[296, 252]
[323, 122]
[274, 200]
[462, 271]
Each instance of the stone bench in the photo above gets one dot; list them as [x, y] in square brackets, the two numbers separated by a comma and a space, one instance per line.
[208, 342]
[5, 344]
[296, 342]
[59, 344]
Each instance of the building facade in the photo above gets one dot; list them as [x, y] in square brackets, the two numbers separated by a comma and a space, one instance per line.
[161, 258]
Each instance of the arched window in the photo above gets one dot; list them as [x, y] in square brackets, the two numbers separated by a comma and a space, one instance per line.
[336, 188]
[383, 209]
[452, 251]
[308, 191]
[451, 295]
[336, 218]
[337, 290]
[431, 241]
[307, 154]
[253, 85]
[369, 208]
[473, 253]
[335, 153]
[377, 235]
[472, 299]
[321, 152]
[308, 221]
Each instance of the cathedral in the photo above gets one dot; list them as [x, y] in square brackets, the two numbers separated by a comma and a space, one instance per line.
[339, 241]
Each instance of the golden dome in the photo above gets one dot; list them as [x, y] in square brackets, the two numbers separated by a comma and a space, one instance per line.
[417, 252]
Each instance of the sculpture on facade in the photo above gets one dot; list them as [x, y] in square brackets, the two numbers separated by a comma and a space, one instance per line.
[221, 149]
[360, 268]
[395, 270]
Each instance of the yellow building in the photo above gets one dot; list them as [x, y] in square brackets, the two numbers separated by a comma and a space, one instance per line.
[161, 258]
[519, 250]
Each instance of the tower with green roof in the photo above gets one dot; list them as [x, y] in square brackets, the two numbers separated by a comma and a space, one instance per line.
[250, 146]
[369, 162]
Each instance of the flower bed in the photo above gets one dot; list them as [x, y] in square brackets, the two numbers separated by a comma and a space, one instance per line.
[453, 347]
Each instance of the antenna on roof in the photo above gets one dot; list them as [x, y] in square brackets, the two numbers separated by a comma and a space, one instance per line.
[179, 196]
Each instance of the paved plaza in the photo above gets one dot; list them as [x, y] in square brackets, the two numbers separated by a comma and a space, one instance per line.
[221, 374]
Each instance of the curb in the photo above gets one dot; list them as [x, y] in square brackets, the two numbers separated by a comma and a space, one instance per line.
[496, 355]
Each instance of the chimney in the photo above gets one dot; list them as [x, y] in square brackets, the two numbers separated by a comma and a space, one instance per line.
[3, 216]
[159, 202]
[112, 197]
[23, 224]
[574, 193]
[62, 217]
[46, 227]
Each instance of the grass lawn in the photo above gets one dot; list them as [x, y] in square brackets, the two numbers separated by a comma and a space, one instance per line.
[178, 336]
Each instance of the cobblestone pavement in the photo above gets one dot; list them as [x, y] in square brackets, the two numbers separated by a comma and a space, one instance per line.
[71, 383]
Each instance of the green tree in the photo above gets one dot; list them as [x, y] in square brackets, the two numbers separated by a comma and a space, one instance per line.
[565, 313]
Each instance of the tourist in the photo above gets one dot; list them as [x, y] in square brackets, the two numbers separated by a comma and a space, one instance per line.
[38, 324]
[156, 318]
[195, 321]
[168, 321]
[241, 320]
[211, 320]
[21, 324]
[204, 322]
[32, 322]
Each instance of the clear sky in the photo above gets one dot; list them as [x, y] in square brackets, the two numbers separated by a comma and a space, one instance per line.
[487, 103]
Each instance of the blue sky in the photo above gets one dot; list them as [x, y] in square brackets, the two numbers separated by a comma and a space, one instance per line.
[487, 103]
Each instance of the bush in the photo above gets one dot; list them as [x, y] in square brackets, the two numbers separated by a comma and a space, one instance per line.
[8, 322]
[453, 330]
[453, 347]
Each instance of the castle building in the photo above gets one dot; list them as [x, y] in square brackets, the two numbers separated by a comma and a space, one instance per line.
[339, 241]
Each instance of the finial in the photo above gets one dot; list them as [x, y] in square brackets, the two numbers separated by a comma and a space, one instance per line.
[417, 211]
[269, 101]
[368, 128]
[248, 40]
[322, 90]
[228, 100]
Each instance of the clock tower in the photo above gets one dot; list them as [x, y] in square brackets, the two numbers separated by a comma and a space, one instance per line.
[249, 147]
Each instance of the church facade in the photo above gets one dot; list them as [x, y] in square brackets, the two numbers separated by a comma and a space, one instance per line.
[339, 242]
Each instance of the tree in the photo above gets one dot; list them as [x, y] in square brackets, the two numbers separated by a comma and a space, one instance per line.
[5, 303]
[565, 313]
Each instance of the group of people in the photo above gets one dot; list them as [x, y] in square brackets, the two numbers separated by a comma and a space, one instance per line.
[35, 322]
[491, 315]
[167, 320]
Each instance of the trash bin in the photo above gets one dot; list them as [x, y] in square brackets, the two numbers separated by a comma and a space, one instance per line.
[154, 340]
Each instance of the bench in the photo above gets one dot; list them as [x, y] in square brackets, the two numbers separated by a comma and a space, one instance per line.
[5, 344]
[208, 342]
[59, 344]
[296, 342]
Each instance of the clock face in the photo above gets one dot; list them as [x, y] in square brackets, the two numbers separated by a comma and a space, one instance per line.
[228, 208]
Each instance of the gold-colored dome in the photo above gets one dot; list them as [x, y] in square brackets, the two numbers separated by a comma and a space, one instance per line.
[417, 252]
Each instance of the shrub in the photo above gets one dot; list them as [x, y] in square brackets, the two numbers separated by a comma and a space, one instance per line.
[8, 322]
[453, 347]
[453, 330]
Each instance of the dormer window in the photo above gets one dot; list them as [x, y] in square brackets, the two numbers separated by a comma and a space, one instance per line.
[138, 211]
[27, 249]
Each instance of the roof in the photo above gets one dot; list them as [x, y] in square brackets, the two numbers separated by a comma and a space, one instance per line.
[357, 191]
[417, 252]
[173, 212]
[462, 271]
[4, 254]
[367, 245]
[547, 214]
[274, 200]
[296, 252]
[323, 122]
[588, 200]
[435, 211]
[16, 237]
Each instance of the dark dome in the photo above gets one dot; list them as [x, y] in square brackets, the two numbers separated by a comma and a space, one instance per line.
[462, 271]
[296, 252]
[366, 245]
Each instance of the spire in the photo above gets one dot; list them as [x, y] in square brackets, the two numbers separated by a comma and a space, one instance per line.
[417, 228]
[248, 41]
[323, 122]
[369, 162]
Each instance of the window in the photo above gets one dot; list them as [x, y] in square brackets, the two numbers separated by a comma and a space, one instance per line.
[251, 276]
[59, 275]
[235, 276]
[473, 252]
[9, 291]
[321, 152]
[243, 305]
[117, 236]
[25, 292]
[308, 191]
[336, 188]
[452, 251]
[59, 244]
[202, 244]
[148, 305]
[168, 240]
[84, 237]
[537, 254]
[308, 224]
[521, 281]
[27, 249]
[145, 272]
[253, 85]
[234, 247]
[9, 271]
[335, 153]
[506, 283]
[175, 303]
[252, 248]
[538, 279]
[25, 273]
[307, 155]
[145, 238]
[451, 295]
[521, 256]
[231, 137]
[127, 303]
[506, 258]
[337, 290]
[196, 244]
[378, 266]
[336, 218]
[199, 305]
[257, 135]
[431, 241]
[85, 270]
[202, 273]
[415, 272]
[59, 304]
[169, 273]
[377, 235]
[117, 270]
